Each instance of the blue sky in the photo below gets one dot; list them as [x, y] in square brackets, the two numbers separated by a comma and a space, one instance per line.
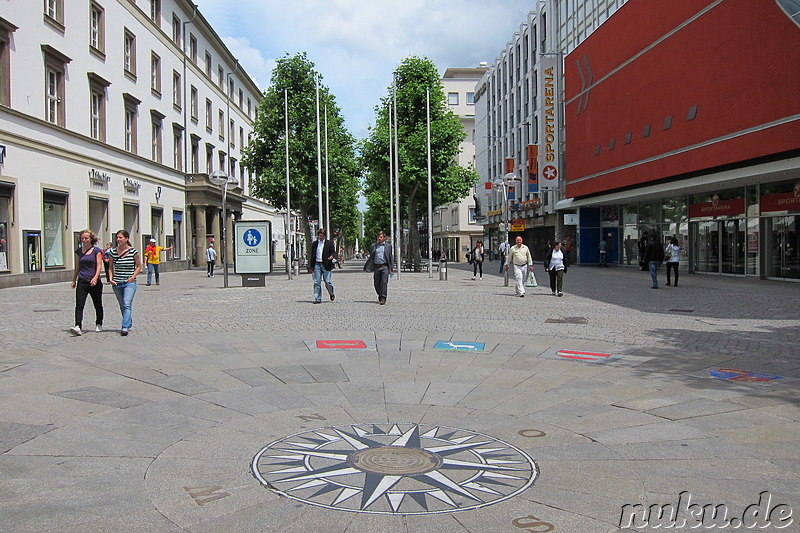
[356, 44]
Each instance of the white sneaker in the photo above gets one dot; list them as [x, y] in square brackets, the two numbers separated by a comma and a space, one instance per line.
[98, 328]
[76, 331]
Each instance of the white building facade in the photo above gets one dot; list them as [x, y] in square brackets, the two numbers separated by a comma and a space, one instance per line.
[113, 114]
[455, 229]
[519, 122]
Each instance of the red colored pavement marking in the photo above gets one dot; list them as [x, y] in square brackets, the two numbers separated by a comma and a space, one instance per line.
[571, 354]
[333, 345]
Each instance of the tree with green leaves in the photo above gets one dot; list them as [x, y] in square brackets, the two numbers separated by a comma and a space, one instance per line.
[266, 153]
[451, 182]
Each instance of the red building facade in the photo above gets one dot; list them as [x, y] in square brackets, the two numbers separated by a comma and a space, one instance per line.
[683, 118]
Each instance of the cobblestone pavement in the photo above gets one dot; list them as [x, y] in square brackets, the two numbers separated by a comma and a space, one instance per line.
[456, 407]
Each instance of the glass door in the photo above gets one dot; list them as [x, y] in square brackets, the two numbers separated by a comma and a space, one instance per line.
[781, 247]
[732, 246]
[706, 242]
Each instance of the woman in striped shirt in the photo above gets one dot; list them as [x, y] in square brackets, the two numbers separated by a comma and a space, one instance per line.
[124, 265]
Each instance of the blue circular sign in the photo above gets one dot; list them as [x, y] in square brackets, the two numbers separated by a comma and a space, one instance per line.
[252, 237]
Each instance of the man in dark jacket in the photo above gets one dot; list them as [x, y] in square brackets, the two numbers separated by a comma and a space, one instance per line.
[653, 257]
[321, 264]
[380, 263]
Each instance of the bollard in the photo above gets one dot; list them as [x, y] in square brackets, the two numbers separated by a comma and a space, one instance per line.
[296, 267]
[443, 271]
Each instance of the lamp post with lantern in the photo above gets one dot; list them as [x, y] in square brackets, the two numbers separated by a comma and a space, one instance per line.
[221, 178]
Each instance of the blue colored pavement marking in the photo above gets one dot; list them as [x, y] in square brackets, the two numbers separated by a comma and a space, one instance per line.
[458, 345]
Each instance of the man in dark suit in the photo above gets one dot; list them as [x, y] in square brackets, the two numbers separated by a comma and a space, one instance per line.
[380, 263]
[321, 264]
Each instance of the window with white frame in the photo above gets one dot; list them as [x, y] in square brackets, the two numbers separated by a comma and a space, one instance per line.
[54, 12]
[209, 158]
[177, 147]
[209, 63]
[221, 125]
[452, 98]
[155, 12]
[155, 73]
[195, 155]
[97, 106]
[131, 113]
[97, 28]
[193, 48]
[55, 64]
[249, 108]
[241, 98]
[155, 138]
[176, 90]
[232, 133]
[129, 54]
[220, 77]
[6, 30]
[193, 102]
[470, 98]
[176, 30]
[230, 88]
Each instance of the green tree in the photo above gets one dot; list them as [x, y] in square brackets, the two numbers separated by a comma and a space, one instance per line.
[266, 153]
[451, 182]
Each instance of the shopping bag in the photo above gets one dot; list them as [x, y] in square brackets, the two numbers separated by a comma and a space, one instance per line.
[531, 281]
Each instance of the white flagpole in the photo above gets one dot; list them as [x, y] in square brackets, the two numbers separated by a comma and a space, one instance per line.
[289, 246]
[319, 163]
[430, 186]
[327, 188]
[398, 253]
[391, 187]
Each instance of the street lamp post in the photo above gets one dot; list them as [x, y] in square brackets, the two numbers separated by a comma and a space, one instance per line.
[503, 184]
[221, 178]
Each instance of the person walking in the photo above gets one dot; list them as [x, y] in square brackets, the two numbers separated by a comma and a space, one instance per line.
[502, 250]
[86, 281]
[519, 256]
[125, 265]
[477, 260]
[653, 257]
[152, 257]
[568, 245]
[211, 259]
[673, 255]
[321, 264]
[380, 263]
[555, 264]
[603, 247]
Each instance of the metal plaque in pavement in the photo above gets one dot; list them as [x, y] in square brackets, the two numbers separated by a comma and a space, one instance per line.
[332, 344]
[394, 468]
[579, 356]
[462, 346]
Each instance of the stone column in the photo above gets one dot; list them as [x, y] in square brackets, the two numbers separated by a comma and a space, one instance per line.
[199, 216]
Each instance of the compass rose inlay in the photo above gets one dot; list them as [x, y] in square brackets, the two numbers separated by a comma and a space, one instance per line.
[401, 468]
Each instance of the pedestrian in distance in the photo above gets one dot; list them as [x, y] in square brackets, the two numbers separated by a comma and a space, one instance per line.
[568, 246]
[642, 244]
[152, 257]
[673, 256]
[86, 281]
[477, 260]
[380, 263]
[125, 265]
[603, 247]
[211, 259]
[653, 257]
[520, 258]
[555, 264]
[502, 250]
[320, 264]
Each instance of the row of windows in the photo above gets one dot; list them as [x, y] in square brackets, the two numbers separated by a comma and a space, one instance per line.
[452, 98]
[54, 12]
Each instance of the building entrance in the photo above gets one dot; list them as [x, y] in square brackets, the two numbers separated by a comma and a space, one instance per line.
[720, 246]
[781, 248]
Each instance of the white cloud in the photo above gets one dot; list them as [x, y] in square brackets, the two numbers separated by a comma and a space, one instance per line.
[356, 44]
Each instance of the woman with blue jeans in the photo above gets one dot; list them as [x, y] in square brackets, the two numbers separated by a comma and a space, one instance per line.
[124, 265]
